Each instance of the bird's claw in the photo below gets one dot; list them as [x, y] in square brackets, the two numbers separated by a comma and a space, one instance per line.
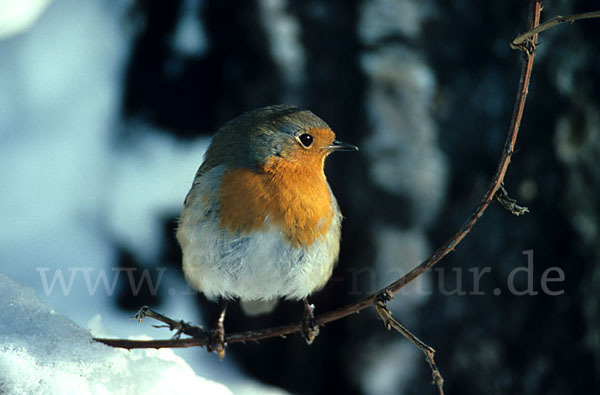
[217, 341]
[310, 329]
[141, 314]
[217, 335]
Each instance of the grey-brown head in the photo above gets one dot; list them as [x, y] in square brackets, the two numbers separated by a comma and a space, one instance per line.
[279, 131]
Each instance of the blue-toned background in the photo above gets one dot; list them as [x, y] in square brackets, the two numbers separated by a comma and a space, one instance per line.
[106, 110]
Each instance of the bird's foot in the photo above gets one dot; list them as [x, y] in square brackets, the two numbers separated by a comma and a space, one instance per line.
[310, 329]
[217, 335]
[217, 341]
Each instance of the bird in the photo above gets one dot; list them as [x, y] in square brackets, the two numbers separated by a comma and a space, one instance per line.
[260, 221]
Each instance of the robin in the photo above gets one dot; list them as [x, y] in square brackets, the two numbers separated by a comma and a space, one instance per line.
[260, 221]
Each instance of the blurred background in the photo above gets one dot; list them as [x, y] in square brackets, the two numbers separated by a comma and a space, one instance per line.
[107, 107]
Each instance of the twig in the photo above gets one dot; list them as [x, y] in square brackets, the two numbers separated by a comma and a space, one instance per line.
[509, 203]
[557, 20]
[199, 336]
[255, 335]
[182, 327]
[390, 322]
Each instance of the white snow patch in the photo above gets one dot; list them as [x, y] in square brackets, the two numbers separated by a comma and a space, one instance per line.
[45, 352]
[16, 16]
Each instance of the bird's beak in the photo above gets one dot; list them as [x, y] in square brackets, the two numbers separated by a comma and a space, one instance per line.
[339, 146]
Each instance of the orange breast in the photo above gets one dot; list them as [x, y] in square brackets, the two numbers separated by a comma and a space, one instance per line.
[293, 196]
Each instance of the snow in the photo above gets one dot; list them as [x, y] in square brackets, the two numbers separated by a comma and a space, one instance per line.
[17, 16]
[43, 352]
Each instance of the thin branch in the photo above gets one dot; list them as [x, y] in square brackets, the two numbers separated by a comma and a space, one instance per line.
[528, 47]
[557, 20]
[509, 203]
[390, 322]
[181, 327]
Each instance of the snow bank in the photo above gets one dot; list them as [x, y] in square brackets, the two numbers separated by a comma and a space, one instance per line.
[45, 352]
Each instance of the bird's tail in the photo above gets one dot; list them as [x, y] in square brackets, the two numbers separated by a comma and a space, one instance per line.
[258, 307]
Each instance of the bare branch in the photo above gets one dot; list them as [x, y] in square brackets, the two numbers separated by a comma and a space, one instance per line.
[390, 322]
[509, 203]
[557, 20]
[181, 326]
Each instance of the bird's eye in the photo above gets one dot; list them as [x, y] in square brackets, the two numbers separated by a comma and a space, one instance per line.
[305, 139]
